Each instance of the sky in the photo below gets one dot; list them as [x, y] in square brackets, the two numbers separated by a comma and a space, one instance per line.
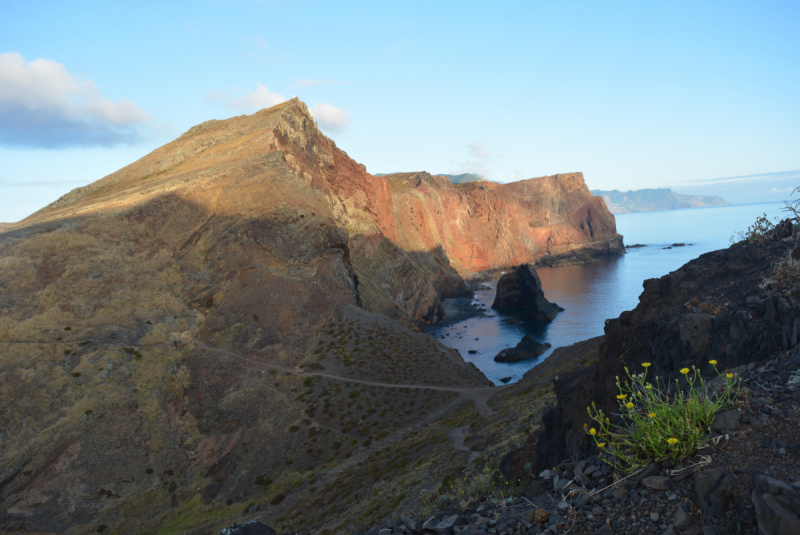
[703, 97]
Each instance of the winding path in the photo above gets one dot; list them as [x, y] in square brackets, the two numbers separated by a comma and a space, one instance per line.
[479, 396]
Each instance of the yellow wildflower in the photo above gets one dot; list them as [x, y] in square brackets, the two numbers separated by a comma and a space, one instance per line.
[649, 387]
[622, 396]
[712, 362]
[629, 405]
[729, 375]
[592, 431]
[672, 440]
[652, 415]
[646, 364]
[601, 444]
[684, 371]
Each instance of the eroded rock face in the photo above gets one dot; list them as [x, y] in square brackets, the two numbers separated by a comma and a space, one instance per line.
[521, 290]
[550, 220]
[712, 308]
[527, 348]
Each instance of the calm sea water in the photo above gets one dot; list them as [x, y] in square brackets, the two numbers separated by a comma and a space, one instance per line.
[592, 293]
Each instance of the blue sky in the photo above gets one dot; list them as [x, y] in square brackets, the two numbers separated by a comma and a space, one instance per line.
[634, 94]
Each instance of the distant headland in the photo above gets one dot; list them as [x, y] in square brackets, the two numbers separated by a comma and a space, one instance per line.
[652, 199]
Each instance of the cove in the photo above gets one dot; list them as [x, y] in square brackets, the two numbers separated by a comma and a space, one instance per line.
[591, 293]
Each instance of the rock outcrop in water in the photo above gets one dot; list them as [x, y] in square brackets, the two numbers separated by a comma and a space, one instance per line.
[527, 348]
[521, 291]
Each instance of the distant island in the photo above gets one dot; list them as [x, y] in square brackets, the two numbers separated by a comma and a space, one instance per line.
[649, 200]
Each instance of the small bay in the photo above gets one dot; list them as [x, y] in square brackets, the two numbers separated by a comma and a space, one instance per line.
[591, 293]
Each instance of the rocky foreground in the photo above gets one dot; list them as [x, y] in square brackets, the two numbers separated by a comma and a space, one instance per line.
[742, 482]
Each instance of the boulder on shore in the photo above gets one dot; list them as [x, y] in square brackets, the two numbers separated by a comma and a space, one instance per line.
[527, 348]
[521, 290]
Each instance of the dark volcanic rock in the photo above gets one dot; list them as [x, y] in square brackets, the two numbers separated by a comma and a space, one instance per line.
[522, 290]
[777, 506]
[717, 491]
[713, 308]
[527, 348]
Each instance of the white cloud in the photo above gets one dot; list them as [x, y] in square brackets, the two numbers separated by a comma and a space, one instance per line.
[43, 105]
[330, 118]
[481, 161]
[249, 100]
[787, 190]
[478, 150]
[308, 82]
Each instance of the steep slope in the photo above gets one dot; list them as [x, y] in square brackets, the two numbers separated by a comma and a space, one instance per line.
[194, 331]
[483, 225]
[648, 200]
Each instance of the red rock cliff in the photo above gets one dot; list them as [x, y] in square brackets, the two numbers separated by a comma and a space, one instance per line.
[484, 225]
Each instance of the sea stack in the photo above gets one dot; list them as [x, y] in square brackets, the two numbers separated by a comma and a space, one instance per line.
[521, 290]
[527, 348]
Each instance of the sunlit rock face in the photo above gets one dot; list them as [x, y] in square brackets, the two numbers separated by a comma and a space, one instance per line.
[550, 220]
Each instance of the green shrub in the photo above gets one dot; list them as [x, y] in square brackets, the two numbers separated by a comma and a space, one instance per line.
[653, 425]
[758, 232]
[459, 489]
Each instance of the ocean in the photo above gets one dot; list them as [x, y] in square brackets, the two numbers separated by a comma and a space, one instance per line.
[591, 293]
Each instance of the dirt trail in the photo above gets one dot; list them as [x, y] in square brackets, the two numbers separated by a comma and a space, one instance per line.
[479, 396]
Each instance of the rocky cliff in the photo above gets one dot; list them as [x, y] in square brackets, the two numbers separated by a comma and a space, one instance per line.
[484, 225]
[726, 305]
